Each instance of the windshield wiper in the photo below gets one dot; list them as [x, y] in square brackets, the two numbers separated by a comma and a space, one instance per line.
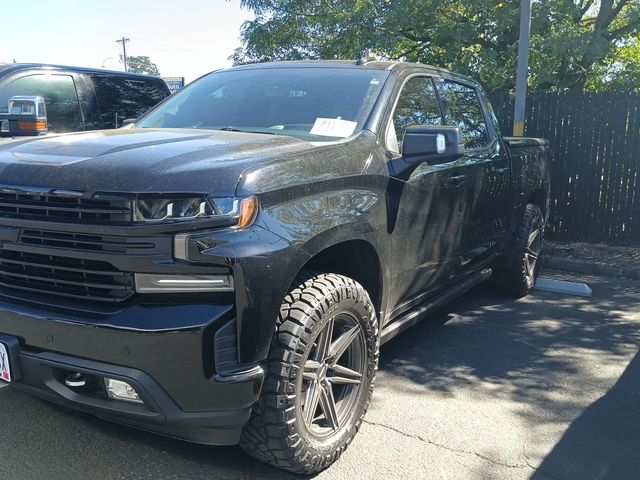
[234, 129]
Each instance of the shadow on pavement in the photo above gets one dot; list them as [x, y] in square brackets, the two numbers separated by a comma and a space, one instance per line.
[530, 352]
[507, 342]
[603, 442]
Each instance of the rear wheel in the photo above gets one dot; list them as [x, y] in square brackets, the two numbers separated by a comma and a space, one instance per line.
[522, 262]
[320, 376]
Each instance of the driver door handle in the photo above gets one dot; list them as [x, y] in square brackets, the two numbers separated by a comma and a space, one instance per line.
[456, 181]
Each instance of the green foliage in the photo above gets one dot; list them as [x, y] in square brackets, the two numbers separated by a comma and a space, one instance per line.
[621, 71]
[572, 41]
[142, 64]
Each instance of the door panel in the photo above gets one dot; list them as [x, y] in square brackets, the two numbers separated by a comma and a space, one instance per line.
[489, 221]
[497, 188]
[426, 206]
[428, 228]
[487, 171]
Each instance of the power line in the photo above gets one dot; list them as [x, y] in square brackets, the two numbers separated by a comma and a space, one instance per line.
[175, 49]
[124, 41]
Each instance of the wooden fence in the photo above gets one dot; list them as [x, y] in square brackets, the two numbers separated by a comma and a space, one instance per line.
[595, 137]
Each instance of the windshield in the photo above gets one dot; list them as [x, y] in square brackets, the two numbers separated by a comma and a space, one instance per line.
[316, 104]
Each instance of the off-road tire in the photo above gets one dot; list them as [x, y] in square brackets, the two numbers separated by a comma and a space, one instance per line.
[276, 433]
[514, 276]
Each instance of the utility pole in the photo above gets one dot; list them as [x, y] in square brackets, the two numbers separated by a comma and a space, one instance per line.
[124, 41]
[523, 69]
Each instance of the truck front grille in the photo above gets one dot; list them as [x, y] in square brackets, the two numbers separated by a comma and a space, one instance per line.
[81, 241]
[64, 277]
[53, 207]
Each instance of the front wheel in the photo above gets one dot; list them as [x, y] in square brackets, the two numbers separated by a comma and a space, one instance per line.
[519, 274]
[321, 369]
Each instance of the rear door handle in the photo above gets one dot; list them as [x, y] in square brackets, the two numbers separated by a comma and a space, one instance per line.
[456, 181]
[502, 170]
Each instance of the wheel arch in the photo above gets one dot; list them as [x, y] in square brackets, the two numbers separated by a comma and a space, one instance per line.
[540, 198]
[357, 259]
[348, 250]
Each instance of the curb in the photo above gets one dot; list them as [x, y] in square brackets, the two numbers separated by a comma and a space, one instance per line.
[591, 267]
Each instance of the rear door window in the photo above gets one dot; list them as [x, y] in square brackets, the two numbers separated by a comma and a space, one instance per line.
[463, 110]
[60, 96]
[123, 98]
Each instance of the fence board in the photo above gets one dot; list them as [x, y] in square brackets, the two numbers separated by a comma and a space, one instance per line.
[596, 167]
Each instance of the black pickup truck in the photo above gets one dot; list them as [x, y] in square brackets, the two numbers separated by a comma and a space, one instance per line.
[225, 270]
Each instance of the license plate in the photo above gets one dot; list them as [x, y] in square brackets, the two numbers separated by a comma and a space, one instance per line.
[5, 368]
[4, 126]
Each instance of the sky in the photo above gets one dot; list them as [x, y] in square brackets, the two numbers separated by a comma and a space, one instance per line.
[184, 38]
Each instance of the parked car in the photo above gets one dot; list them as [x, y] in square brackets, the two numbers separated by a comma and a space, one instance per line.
[225, 270]
[77, 98]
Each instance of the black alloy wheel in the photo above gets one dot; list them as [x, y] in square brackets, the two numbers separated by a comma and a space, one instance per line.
[319, 381]
[518, 270]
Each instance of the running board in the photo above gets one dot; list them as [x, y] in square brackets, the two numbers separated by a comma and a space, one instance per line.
[409, 319]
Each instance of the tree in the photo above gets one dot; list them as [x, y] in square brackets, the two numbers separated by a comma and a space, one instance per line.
[621, 71]
[142, 64]
[572, 40]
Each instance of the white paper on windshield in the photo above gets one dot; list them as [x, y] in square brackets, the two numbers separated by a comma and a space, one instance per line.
[333, 127]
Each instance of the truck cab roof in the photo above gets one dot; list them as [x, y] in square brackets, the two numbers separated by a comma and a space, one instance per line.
[389, 65]
[6, 68]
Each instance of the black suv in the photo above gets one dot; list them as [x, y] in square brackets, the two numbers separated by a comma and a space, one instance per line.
[78, 98]
[225, 270]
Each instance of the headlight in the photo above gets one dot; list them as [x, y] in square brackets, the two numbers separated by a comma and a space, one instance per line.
[168, 209]
[241, 212]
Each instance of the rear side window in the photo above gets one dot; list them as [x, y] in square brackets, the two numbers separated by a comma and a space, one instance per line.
[463, 110]
[123, 98]
[417, 105]
[59, 93]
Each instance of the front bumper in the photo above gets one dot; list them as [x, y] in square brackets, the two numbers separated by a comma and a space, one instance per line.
[183, 398]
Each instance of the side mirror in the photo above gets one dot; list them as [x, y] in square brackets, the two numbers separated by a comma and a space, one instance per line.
[27, 116]
[432, 144]
[129, 121]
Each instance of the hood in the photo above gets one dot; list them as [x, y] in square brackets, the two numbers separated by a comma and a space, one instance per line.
[141, 160]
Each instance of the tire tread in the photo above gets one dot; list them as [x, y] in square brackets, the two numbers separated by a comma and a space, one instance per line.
[511, 278]
[271, 435]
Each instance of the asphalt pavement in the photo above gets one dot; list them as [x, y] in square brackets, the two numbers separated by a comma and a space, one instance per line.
[546, 387]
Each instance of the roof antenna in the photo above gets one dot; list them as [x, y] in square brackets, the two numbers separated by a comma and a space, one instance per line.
[366, 56]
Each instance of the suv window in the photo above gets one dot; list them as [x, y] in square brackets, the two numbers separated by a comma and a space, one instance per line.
[60, 96]
[417, 105]
[123, 98]
[463, 110]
